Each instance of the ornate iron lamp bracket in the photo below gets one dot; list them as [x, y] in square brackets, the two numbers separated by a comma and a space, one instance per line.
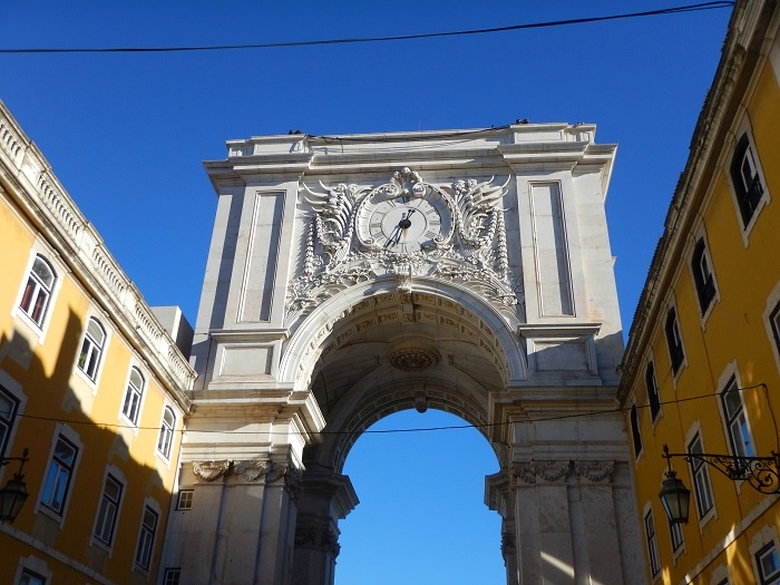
[762, 473]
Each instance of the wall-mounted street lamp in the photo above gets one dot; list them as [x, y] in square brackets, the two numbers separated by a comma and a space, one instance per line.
[14, 494]
[675, 497]
[762, 473]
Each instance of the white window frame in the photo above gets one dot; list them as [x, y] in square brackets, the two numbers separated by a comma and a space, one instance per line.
[139, 393]
[39, 330]
[147, 537]
[172, 576]
[92, 352]
[33, 567]
[165, 438]
[651, 540]
[751, 153]
[636, 431]
[185, 499]
[678, 340]
[768, 550]
[104, 506]
[8, 418]
[772, 322]
[698, 267]
[11, 388]
[735, 424]
[677, 538]
[67, 433]
[700, 480]
[655, 389]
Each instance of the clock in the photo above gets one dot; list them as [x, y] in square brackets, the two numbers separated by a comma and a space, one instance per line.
[403, 224]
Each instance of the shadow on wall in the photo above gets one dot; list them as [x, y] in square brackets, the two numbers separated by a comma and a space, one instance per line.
[69, 449]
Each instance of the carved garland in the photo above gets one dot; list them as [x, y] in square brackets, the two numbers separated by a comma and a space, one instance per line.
[535, 472]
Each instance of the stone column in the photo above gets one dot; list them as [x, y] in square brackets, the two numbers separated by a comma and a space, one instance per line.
[499, 496]
[543, 523]
[327, 498]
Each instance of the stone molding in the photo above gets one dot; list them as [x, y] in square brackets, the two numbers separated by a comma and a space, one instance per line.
[210, 470]
[318, 538]
[535, 472]
[252, 471]
[42, 194]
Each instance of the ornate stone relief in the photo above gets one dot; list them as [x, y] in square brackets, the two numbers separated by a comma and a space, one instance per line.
[508, 544]
[404, 228]
[317, 538]
[533, 472]
[595, 471]
[210, 470]
[251, 471]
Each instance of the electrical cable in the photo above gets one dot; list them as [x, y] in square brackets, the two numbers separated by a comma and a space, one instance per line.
[386, 431]
[715, 5]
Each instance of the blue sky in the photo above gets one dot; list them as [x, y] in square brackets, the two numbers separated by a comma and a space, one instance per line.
[126, 134]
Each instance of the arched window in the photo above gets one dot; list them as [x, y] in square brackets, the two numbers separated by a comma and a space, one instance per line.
[92, 348]
[135, 391]
[165, 441]
[38, 290]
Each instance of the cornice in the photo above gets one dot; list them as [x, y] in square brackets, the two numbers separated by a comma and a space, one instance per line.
[740, 62]
[30, 183]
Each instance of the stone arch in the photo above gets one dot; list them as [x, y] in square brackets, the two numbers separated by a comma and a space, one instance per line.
[492, 330]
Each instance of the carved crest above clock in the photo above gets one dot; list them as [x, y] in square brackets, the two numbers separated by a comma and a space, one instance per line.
[404, 227]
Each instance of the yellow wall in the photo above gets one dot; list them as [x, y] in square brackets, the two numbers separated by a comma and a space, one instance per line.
[735, 331]
[56, 394]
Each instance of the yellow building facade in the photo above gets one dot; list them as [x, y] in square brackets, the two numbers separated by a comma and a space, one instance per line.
[701, 372]
[90, 383]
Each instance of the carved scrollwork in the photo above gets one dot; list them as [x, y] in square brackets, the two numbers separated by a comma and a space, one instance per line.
[508, 544]
[317, 538]
[251, 471]
[594, 471]
[210, 470]
[465, 224]
[534, 472]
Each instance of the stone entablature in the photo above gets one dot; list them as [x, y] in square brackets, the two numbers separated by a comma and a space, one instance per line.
[43, 197]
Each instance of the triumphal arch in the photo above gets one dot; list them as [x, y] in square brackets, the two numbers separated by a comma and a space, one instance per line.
[350, 277]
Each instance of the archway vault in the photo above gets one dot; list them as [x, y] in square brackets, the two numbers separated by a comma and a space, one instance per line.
[388, 350]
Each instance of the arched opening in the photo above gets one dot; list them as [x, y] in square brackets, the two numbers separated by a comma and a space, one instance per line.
[421, 519]
[387, 355]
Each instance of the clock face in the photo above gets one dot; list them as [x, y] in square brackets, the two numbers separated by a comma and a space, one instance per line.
[403, 225]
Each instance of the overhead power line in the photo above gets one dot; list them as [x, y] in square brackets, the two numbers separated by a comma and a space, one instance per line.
[285, 44]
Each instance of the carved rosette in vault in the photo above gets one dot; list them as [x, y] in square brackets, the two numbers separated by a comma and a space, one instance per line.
[404, 228]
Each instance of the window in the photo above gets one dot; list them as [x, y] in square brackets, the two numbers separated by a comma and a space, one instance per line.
[652, 544]
[674, 340]
[143, 554]
[703, 278]
[92, 348]
[652, 391]
[768, 565]
[636, 434]
[677, 535]
[746, 179]
[38, 290]
[172, 576]
[30, 578]
[701, 478]
[165, 441]
[185, 500]
[9, 406]
[774, 321]
[133, 395]
[61, 467]
[108, 510]
[736, 422]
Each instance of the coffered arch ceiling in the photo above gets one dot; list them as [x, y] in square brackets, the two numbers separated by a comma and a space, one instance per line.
[398, 350]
